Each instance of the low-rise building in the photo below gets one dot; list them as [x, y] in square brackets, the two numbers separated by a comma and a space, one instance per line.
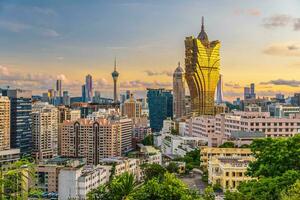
[240, 138]
[122, 165]
[228, 172]
[180, 145]
[76, 182]
[8, 157]
[206, 153]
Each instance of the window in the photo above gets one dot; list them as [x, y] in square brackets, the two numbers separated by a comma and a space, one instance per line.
[227, 173]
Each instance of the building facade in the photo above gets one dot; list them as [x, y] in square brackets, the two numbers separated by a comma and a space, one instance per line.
[44, 131]
[20, 120]
[132, 108]
[202, 66]
[160, 103]
[4, 123]
[178, 93]
[95, 140]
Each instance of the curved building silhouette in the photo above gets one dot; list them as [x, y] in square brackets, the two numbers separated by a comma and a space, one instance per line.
[202, 66]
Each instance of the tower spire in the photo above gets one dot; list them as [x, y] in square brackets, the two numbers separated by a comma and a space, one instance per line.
[179, 64]
[115, 65]
[202, 24]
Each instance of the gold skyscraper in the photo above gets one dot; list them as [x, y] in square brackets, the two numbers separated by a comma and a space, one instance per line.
[202, 66]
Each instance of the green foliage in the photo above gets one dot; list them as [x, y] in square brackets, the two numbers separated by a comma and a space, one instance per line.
[191, 159]
[172, 167]
[245, 146]
[99, 193]
[204, 177]
[118, 189]
[275, 156]
[292, 193]
[148, 140]
[209, 193]
[13, 182]
[268, 188]
[217, 187]
[170, 188]
[234, 196]
[122, 186]
[227, 145]
[276, 168]
[153, 170]
[174, 131]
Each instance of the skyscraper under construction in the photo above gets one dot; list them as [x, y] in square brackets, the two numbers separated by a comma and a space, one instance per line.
[202, 66]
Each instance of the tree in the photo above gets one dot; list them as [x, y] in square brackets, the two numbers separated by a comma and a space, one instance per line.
[292, 193]
[118, 189]
[274, 156]
[14, 182]
[122, 186]
[170, 188]
[245, 146]
[172, 167]
[227, 145]
[276, 168]
[191, 159]
[209, 193]
[148, 140]
[267, 188]
[153, 171]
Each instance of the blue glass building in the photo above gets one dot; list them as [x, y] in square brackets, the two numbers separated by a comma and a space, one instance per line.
[160, 103]
[20, 120]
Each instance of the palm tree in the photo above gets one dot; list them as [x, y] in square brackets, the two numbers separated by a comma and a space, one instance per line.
[122, 186]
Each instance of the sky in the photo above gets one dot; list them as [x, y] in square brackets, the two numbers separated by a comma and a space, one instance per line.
[41, 41]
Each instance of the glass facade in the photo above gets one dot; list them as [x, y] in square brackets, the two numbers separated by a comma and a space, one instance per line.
[202, 64]
[160, 103]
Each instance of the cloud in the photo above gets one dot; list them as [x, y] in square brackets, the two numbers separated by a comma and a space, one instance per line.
[251, 12]
[60, 58]
[49, 33]
[155, 73]
[279, 20]
[144, 84]
[297, 24]
[233, 85]
[13, 26]
[283, 49]
[291, 83]
[254, 12]
[282, 20]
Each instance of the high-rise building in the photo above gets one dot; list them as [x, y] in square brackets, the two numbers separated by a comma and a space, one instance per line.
[160, 103]
[66, 98]
[252, 91]
[59, 92]
[132, 108]
[44, 130]
[202, 66]
[219, 93]
[97, 97]
[247, 94]
[20, 120]
[90, 139]
[128, 94]
[83, 93]
[4, 123]
[89, 88]
[115, 76]
[178, 92]
[58, 88]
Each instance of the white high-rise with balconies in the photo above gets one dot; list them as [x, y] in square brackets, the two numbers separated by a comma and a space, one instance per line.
[44, 130]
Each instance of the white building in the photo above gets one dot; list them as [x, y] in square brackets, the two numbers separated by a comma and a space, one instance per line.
[76, 182]
[44, 130]
[180, 145]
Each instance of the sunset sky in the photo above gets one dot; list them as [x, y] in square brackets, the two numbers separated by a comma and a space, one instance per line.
[42, 40]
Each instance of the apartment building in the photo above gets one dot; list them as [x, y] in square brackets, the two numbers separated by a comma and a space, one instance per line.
[44, 130]
[4, 123]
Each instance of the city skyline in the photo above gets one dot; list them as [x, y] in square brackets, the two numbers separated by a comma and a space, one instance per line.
[43, 36]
